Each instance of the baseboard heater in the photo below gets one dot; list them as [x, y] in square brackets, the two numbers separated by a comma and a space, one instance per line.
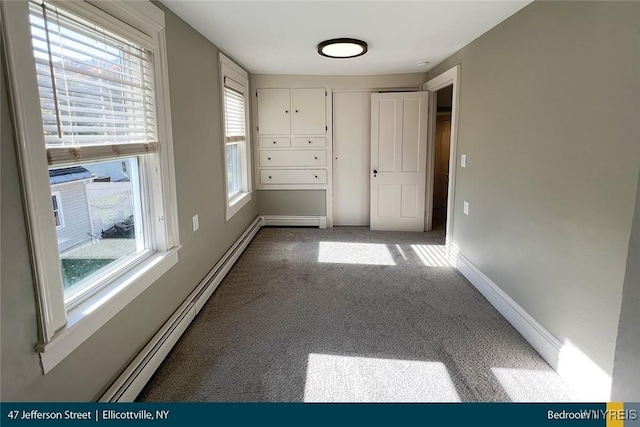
[295, 221]
[133, 379]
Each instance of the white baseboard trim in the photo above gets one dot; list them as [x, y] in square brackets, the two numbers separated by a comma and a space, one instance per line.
[588, 380]
[296, 221]
[542, 340]
[572, 365]
[133, 379]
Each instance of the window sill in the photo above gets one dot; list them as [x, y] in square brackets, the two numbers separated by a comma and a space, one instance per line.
[89, 316]
[237, 203]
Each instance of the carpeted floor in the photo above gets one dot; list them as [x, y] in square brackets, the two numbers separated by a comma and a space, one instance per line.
[349, 314]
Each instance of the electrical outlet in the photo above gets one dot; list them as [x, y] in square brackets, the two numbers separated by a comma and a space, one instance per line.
[466, 208]
[463, 160]
[196, 224]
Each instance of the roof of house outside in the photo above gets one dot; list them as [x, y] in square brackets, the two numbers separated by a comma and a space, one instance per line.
[74, 173]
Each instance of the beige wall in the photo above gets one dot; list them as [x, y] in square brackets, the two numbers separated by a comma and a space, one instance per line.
[88, 371]
[292, 202]
[381, 81]
[549, 121]
[626, 371]
[314, 202]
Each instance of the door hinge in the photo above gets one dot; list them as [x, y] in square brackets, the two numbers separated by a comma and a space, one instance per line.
[325, 93]
[326, 128]
[258, 128]
[256, 94]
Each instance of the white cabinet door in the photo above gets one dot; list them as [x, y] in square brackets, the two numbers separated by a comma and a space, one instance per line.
[309, 111]
[398, 160]
[274, 111]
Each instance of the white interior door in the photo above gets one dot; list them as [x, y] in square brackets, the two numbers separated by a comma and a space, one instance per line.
[351, 158]
[398, 160]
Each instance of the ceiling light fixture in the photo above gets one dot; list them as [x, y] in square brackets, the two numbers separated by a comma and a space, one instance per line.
[342, 48]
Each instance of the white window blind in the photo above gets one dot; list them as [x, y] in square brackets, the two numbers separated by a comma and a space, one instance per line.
[234, 111]
[96, 89]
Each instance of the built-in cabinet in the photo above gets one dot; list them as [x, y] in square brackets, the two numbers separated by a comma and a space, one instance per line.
[292, 138]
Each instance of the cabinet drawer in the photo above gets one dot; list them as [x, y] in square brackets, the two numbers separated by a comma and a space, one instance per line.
[290, 158]
[293, 176]
[309, 142]
[275, 142]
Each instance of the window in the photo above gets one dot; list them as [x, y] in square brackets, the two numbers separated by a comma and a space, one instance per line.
[236, 142]
[57, 209]
[89, 85]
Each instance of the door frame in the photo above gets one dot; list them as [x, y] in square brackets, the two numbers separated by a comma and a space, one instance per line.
[449, 77]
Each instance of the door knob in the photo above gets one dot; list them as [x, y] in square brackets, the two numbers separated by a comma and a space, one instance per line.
[375, 171]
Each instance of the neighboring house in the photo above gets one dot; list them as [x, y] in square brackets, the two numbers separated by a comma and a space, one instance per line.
[114, 171]
[70, 207]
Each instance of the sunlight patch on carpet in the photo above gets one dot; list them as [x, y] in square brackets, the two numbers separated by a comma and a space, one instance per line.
[355, 253]
[527, 385]
[433, 255]
[332, 378]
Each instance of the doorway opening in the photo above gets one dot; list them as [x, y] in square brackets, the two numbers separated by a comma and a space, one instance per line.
[442, 149]
[449, 78]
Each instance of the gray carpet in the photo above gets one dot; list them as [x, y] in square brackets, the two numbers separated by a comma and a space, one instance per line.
[350, 315]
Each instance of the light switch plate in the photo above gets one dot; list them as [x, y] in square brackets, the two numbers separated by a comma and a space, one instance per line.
[196, 223]
[466, 208]
[463, 160]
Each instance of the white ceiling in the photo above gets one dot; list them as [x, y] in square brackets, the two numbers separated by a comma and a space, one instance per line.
[281, 37]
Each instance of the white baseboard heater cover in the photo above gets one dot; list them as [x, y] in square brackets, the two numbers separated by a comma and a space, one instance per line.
[295, 221]
[133, 379]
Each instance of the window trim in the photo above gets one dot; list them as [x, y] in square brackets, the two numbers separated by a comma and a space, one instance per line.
[228, 68]
[60, 330]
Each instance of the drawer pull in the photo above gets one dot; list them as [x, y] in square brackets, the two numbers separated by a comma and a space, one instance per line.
[309, 142]
[286, 111]
[315, 157]
[296, 111]
[274, 142]
[316, 176]
[268, 158]
[269, 176]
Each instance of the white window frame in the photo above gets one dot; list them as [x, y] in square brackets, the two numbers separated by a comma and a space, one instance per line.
[56, 195]
[230, 69]
[62, 329]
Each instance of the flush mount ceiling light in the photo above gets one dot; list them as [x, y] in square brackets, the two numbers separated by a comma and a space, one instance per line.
[342, 48]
